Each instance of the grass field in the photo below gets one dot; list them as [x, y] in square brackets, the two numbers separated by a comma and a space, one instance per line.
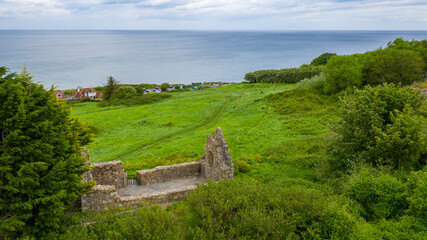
[275, 130]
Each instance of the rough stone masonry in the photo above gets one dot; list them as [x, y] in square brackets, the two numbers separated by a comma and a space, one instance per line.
[162, 184]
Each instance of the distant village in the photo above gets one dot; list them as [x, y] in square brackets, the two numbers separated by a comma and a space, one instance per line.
[78, 94]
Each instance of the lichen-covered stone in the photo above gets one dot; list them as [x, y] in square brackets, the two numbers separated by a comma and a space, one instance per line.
[216, 163]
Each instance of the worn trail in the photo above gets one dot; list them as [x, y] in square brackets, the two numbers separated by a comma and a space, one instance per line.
[178, 133]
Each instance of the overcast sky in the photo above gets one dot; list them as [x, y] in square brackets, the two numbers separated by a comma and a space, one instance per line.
[215, 14]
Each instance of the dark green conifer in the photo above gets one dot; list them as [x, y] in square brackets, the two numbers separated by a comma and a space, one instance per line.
[40, 160]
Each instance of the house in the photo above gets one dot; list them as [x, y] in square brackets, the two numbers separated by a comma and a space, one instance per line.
[87, 93]
[59, 94]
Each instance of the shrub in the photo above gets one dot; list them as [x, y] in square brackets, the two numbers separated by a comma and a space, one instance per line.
[241, 167]
[378, 126]
[145, 223]
[342, 72]
[238, 209]
[322, 59]
[40, 160]
[379, 197]
[392, 66]
[417, 195]
[287, 75]
[316, 82]
[419, 47]
[124, 93]
[164, 86]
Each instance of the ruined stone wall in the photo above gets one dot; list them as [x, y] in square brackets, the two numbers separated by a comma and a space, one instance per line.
[103, 196]
[99, 198]
[109, 173]
[163, 197]
[215, 164]
[168, 173]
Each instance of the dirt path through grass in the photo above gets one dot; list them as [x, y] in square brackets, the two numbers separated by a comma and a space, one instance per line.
[178, 133]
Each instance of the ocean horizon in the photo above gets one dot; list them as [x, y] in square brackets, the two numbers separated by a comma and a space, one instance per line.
[83, 58]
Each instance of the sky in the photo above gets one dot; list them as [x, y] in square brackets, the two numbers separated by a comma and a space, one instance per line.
[214, 14]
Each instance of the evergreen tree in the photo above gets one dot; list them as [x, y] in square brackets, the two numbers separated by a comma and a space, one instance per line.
[40, 157]
[111, 86]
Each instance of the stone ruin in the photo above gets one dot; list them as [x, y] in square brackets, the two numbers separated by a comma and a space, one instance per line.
[163, 184]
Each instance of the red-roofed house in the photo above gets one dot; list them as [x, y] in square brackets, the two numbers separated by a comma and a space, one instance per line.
[87, 93]
[59, 94]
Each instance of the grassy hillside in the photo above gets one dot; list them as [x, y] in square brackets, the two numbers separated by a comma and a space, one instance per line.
[278, 136]
[260, 128]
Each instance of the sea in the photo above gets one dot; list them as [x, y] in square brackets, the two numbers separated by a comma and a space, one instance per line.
[71, 59]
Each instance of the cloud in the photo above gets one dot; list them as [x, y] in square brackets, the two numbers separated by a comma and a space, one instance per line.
[226, 13]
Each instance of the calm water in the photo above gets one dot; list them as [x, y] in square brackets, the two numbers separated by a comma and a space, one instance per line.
[69, 59]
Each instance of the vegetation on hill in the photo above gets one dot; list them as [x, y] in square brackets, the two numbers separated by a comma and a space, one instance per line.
[401, 62]
[286, 75]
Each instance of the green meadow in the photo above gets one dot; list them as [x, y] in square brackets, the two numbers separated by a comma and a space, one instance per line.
[269, 139]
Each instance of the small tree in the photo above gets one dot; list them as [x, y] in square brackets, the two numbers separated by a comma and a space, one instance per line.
[164, 86]
[124, 92]
[392, 66]
[40, 160]
[342, 72]
[109, 88]
[322, 59]
[378, 126]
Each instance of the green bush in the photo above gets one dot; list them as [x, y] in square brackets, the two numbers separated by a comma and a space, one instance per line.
[316, 82]
[392, 66]
[246, 210]
[145, 223]
[417, 46]
[322, 59]
[379, 197]
[417, 195]
[378, 126]
[124, 93]
[241, 167]
[342, 72]
[287, 75]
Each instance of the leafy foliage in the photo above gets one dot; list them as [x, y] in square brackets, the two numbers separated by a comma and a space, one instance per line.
[378, 126]
[379, 197]
[247, 210]
[287, 75]
[342, 72]
[316, 82]
[40, 161]
[322, 59]
[392, 66]
[417, 46]
[145, 223]
[164, 86]
[124, 93]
